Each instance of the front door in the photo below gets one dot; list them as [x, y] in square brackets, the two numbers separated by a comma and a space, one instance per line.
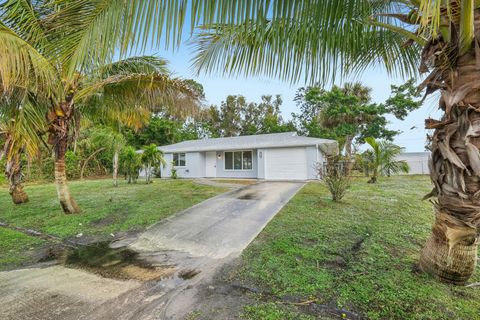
[211, 164]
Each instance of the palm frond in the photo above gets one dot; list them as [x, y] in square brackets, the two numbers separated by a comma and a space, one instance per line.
[137, 88]
[27, 19]
[129, 99]
[340, 40]
[21, 65]
[91, 32]
[467, 32]
[136, 64]
[22, 121]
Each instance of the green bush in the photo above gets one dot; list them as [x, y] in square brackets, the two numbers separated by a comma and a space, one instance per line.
[335, 176]
[72, 165]
[173, 173]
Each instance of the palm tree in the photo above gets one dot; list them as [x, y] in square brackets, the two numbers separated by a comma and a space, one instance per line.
[384, 155]
[131, 163]
[63, 52]
[21, 119]
[152, 158]
[317, 40]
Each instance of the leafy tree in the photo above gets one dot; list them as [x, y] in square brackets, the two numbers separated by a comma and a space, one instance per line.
[236, 117]
[268, 117]
[384, 158]
[159, 131]
[346, 113]
[152, 158]
[318, 40]
[230, 115]
[110, 142]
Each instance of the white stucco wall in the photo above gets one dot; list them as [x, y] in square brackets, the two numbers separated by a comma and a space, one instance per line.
[313, 157]
[222, 173]
[194, 167]
[261, 163]
[195, 164]
[417, 161]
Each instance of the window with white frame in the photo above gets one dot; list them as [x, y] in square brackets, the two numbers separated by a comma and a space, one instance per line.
[179, 160]
[238, 160]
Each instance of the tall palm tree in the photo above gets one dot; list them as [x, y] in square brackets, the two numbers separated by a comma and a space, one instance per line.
[152, 158]
[384, 162]
[317, 40]
[50, 51]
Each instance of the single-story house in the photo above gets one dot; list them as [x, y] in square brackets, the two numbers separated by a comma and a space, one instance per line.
[417, 161]
[277, 156]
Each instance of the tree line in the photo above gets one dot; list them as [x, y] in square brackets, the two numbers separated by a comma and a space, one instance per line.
[346, 114]
[105, 141]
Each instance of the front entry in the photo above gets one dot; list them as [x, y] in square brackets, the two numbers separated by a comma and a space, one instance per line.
[210, 164]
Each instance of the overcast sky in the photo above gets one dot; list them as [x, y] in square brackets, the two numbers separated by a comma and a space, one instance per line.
[218, 87]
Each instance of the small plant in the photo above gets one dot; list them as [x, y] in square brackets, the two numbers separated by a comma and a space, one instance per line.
[335, 176]
[173, 172]
[384, 156]
[131, 163]
[152, 158]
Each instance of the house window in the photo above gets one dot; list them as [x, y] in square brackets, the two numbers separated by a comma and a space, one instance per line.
[179, 160]
[238, 160]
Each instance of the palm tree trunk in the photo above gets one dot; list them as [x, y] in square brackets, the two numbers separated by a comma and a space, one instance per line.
[348, 146]
[348, 153]
[450, 253]
[13, 172]
[68, 204]
[115, 168]
[373, 179]
[59, 139]
[148, 173]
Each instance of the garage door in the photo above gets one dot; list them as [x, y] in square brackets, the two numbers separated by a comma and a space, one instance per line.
[286, 164]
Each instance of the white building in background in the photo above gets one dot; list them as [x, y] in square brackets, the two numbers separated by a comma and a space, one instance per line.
[418, 161]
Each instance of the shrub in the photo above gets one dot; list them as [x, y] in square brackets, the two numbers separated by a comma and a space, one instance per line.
[72, 163]
[334, 175]
[173, 173]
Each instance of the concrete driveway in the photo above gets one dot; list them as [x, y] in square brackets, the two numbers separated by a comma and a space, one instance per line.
[196, 243]
[220, 226]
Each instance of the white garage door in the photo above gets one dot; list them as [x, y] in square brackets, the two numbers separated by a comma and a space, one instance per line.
[286, 164]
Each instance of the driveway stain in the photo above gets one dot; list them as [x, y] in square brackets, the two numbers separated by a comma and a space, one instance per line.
[115, 263]
[248, 196]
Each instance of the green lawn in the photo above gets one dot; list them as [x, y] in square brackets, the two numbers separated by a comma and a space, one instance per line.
[105, 210]
[357, 255]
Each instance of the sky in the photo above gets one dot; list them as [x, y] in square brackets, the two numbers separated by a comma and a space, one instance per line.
[217, 88]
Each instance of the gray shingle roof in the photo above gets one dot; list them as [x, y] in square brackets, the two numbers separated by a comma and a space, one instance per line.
[273, 140]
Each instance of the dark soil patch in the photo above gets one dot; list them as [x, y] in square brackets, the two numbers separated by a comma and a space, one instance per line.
[337, 263]
[357, 245]
[106, 221]
[188, 274]
[118, 263]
